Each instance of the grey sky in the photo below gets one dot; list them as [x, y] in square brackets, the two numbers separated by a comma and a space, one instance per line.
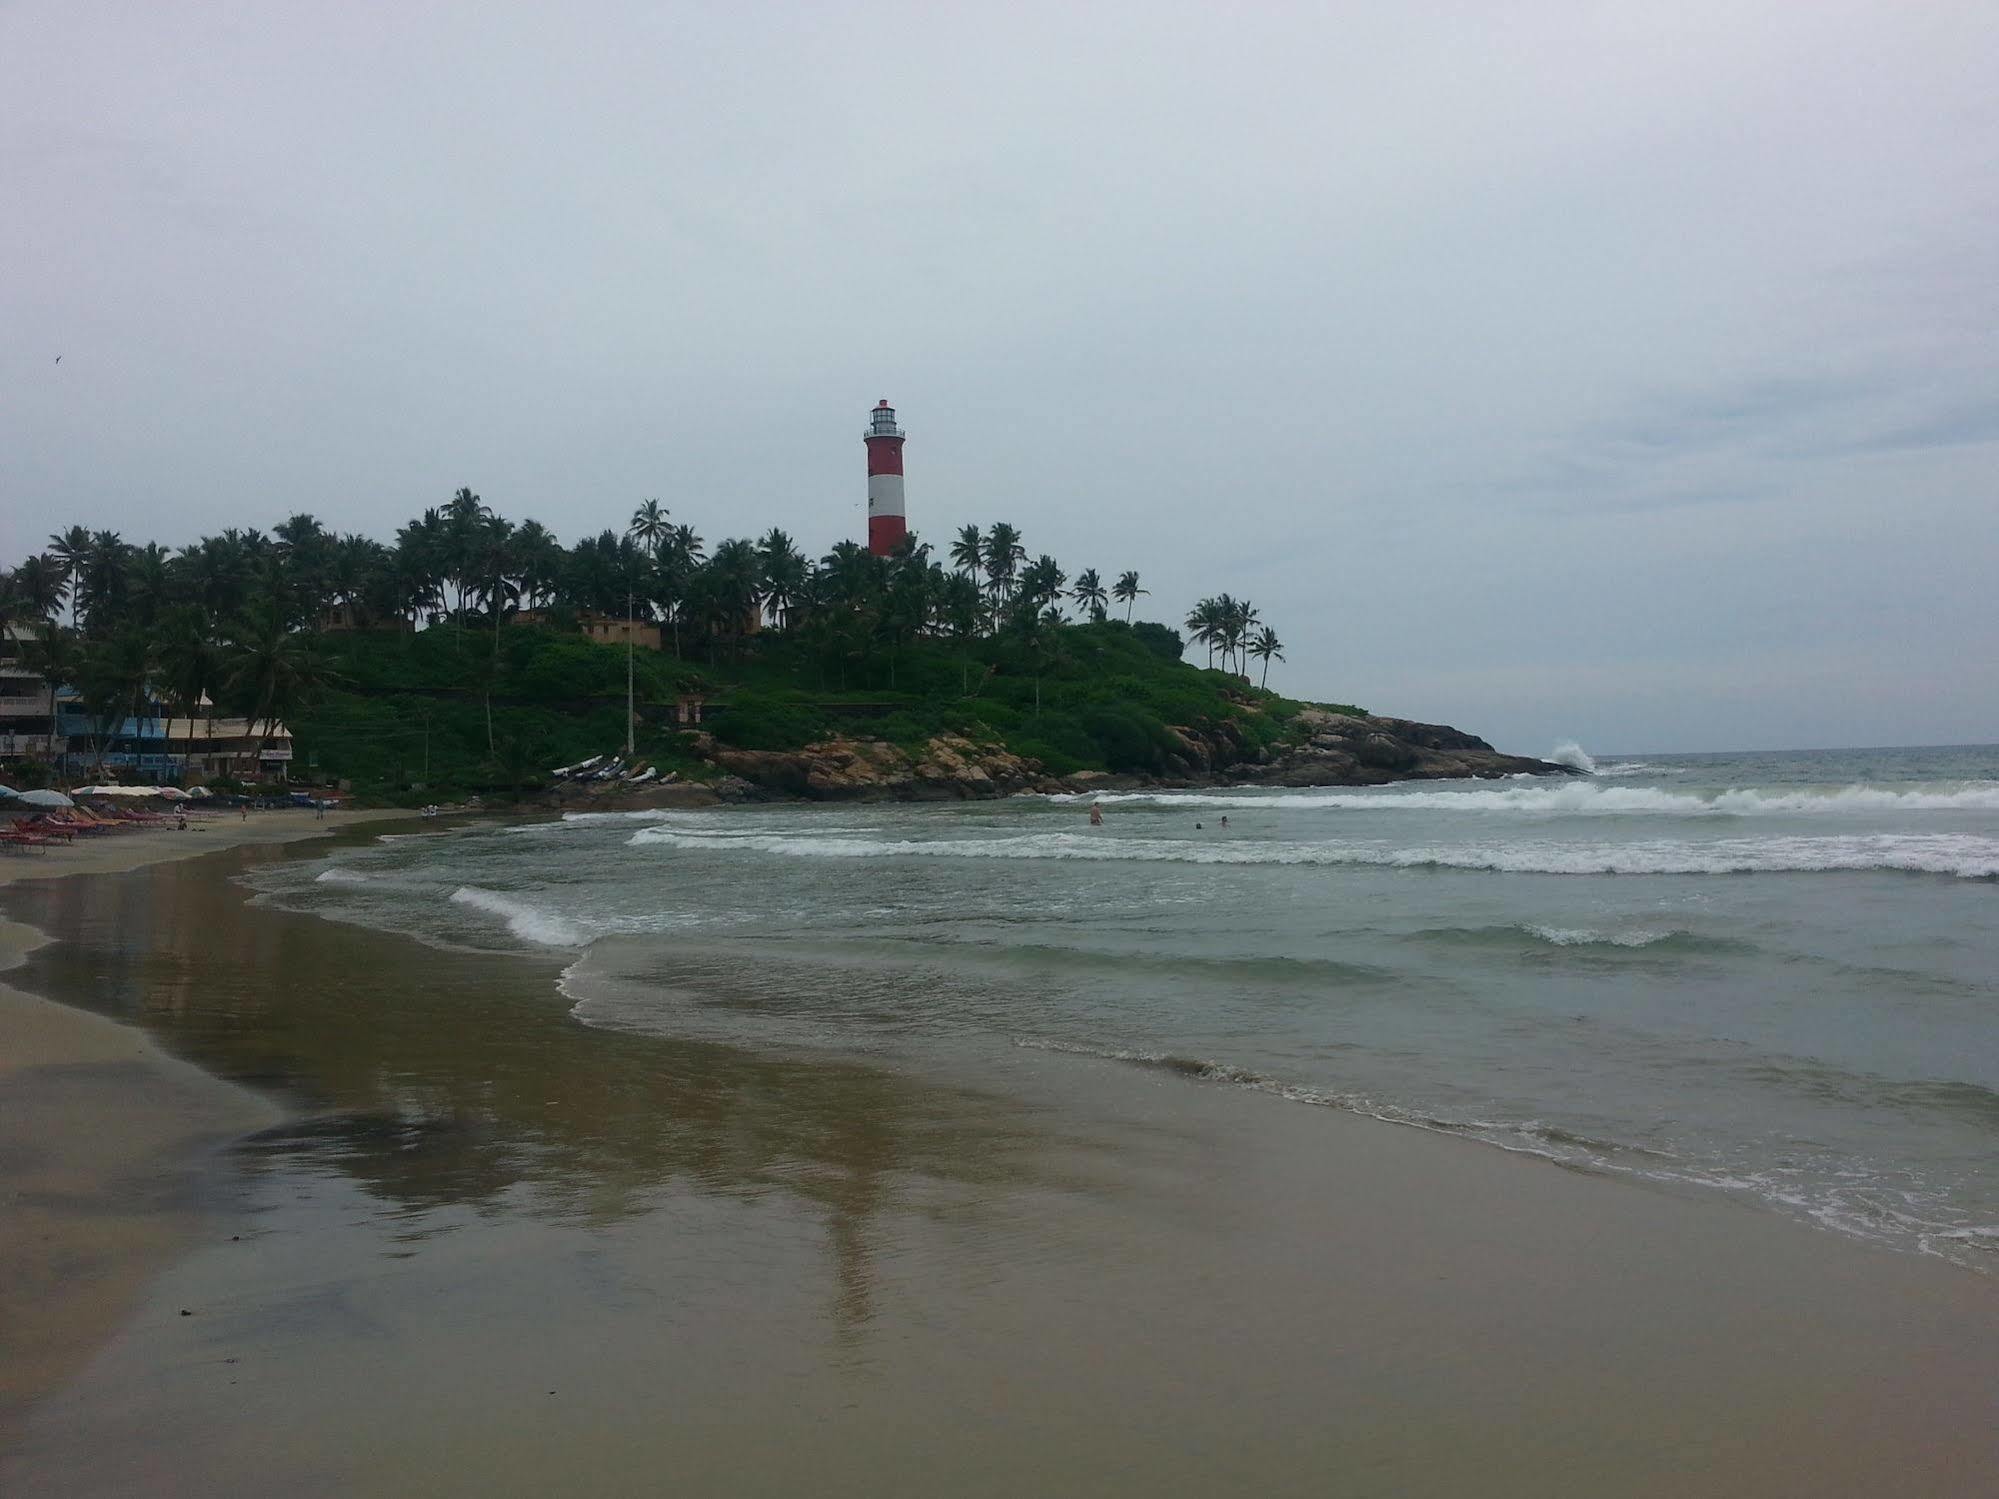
[1616, 372]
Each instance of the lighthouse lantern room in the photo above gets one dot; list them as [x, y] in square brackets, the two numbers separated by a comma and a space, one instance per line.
[886, 524]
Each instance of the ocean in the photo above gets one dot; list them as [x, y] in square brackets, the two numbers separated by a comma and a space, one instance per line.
[1773, 976]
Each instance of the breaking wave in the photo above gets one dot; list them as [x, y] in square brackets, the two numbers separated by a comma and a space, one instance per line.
[1963, 855]
[1573, 755]
[339, 875]
[527, 922]
[1580, 798]
[1561, 936]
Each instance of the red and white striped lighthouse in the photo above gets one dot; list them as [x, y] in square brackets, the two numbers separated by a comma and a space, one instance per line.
[886, 525]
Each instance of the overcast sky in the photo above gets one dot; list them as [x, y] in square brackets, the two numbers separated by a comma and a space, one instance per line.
[1616, 372]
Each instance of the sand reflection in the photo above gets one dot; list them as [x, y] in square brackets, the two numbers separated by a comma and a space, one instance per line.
[443, 1083]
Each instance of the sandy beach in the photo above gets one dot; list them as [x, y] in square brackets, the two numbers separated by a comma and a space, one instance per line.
[100, 1131]
[487, 1250]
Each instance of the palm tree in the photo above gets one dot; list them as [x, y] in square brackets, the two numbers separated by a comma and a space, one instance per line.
[148, 583]
[189, 662]
[735, 578]
[1041, 583]
[1204, 625]
[784, 572]
[958, 612]
[968, 552]
[41, 587]
[1089, 593]
[649, 526]
[1245, 619]
[1126, 592]
[1266, 647]
[12, 606]
[71, 549]
[1004, 554]
[465, 515]
[538, 556]
[1040, 634]
[104, 579]
[271, 671]
[113, 673]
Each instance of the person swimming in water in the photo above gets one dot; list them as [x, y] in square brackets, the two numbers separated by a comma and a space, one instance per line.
[1096, 815]
[1225, 821]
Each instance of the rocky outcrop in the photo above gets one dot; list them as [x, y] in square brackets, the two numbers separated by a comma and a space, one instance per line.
[1337, 749]
[945, 769]
[1324, 749]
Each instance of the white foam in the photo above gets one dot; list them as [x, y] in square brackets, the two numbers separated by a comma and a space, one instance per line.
[338, 875]
[1586, 799]
[528, 922]
[1573, 755]
[1590, 937]
[1964, 855]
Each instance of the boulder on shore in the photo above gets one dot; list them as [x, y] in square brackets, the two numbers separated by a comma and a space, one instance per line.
[1327, 749]
[1338, 749]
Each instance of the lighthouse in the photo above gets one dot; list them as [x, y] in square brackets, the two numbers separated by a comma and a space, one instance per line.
[886, 525]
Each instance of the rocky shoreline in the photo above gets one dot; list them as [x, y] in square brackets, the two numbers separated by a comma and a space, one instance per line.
[1326, 749]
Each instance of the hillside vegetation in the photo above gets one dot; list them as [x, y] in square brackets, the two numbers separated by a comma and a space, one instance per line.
[405, 716]
[468, 671]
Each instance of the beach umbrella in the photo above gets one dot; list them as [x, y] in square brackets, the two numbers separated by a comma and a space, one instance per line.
[172, 793]
[198, 793]
[44, 799]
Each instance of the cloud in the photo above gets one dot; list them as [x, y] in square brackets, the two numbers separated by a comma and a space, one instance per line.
[1454, 334]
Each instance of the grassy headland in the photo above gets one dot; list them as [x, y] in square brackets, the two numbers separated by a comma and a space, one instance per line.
[473, 655]
[404, 716]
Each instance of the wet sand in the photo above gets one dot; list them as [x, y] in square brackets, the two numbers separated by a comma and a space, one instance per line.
[101, 1134]
[493, 1251]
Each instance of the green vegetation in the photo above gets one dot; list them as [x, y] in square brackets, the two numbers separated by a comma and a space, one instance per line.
[451, 661]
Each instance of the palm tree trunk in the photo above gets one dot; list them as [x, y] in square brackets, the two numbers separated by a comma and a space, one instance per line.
[1265, 683]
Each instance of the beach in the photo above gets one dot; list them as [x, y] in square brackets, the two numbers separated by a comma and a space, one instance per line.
[101, 1133]
[390, 1220]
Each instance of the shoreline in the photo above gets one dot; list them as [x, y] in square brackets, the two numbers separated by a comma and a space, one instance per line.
[1071, 1268]
[96, 1201]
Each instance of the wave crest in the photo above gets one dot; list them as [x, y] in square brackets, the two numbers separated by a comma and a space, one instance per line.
[1963, 855]
[1582, 798]
[528, 922]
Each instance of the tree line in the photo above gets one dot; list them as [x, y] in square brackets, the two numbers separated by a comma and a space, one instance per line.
[231, 617]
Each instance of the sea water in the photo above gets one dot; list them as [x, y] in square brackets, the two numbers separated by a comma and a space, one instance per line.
[1769, 975]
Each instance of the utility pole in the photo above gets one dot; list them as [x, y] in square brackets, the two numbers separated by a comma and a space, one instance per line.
[630, 629]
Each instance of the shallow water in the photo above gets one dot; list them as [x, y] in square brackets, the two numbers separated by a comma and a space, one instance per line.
[1773, 975]
[877, 1245]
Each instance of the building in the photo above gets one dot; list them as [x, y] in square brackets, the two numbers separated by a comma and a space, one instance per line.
[609, 629]
[887, 523]
[156, 747]
[338, 619]
[151, 747]
[26, 726]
